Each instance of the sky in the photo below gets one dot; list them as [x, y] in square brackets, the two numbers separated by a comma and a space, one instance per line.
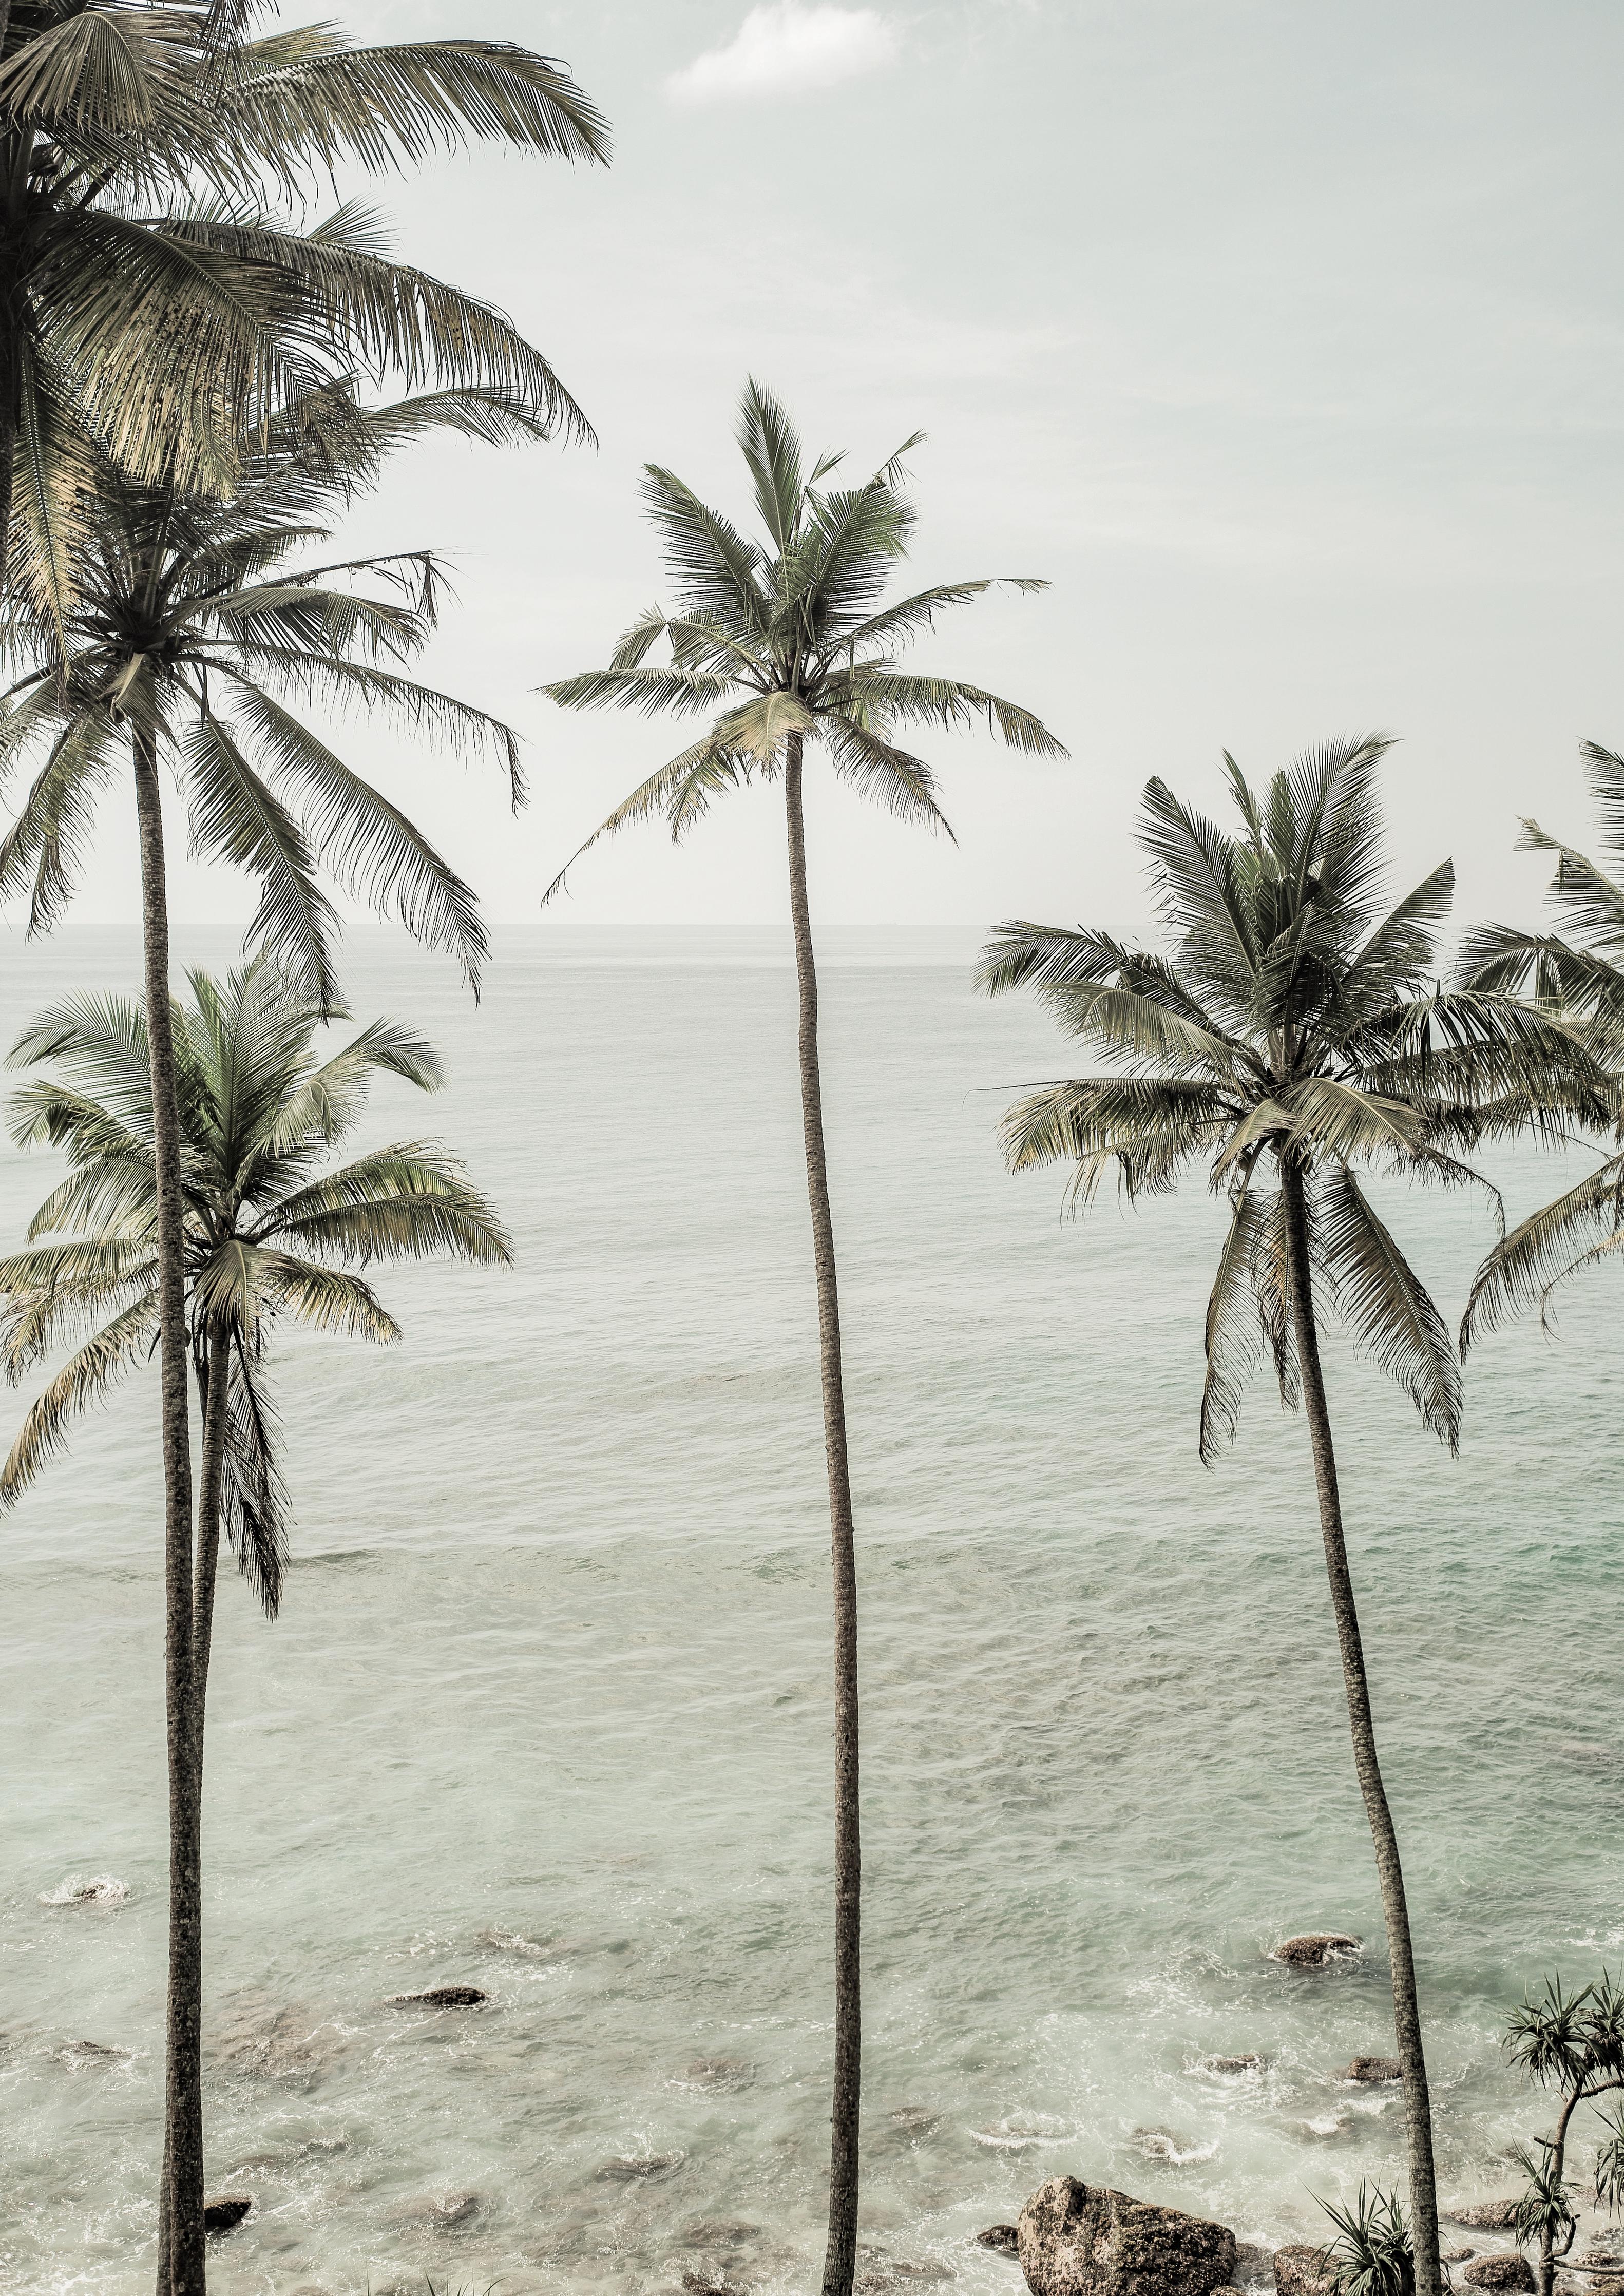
[1282, 336]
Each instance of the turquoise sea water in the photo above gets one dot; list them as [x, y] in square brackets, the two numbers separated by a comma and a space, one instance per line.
[547, 1710]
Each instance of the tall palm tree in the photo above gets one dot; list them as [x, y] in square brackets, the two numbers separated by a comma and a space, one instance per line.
[159, 279]
[780, 641]
[270, 1232]
[1293, 1032]
[190, 633]
[1583, 976]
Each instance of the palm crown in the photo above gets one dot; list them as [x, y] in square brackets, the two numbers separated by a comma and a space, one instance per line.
[1581, 974]
[1293, 1027]
[268, 1233]
[190, 628]
[787, 637]
[155, 331]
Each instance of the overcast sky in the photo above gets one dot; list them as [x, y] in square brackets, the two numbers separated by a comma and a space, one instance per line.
[1283, 336]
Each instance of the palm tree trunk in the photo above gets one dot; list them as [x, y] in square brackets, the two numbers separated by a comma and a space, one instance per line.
[213, 1386]
[180, 2232]
[1406, 2009]
[840, 2262]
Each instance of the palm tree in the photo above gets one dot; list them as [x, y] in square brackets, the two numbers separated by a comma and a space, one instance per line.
[269, 1234]
[152, 293]
[1583, 977]
[190, 633]
[1292, 1029]
[778, 642]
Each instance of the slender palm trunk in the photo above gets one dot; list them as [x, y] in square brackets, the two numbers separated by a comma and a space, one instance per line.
[1406, 2009]
[213, 1388]
[180, 2231]
[840, 2262]
[1546, 2268]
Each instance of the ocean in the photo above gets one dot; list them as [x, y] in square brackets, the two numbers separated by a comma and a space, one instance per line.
[547, 1709]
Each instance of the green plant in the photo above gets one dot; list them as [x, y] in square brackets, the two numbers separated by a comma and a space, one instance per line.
[1582, 976]
[1294, 1034]
[197, 634]
[1572, 2043]
[1372, 2253]
[781, 643]
[163, 278]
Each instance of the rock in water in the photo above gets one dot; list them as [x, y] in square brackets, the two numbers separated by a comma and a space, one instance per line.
[446, 1996]
[1303, 2270]
[1315, 1949]
[1375, 2069]
[1080, 2240]
[639, 2168]
[226, 2212]
[1247, 2064]
[1484, 2216]
[1508, 2272]
[1003, 2239]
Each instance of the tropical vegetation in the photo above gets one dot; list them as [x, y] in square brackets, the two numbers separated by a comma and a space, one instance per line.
[1572, 2043]
[275, 1232]
[189, 636]
[1581, 975]
[164, 283]
[778, 641]
[1294, 1041]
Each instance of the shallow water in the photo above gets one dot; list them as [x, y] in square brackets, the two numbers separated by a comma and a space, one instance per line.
[547, 1710]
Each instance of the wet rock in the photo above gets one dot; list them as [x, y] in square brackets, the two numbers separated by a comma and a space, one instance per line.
[1375, 2069]
[639, 2168]
[1507, 2272]
[1315, 1949]
[1483, 2216]
[1303, 2270]
[1003, 2240]
[101, 1890]
[1244, 2064]
[276, 2043]
[1456, 2255]
[1166, 2144]
[87, 2056]
[718, 2075]
[226, 2212]
[440, 2211]
[1080, 2240]
[719, 2232]
[1254, 2265]
[444, 1996]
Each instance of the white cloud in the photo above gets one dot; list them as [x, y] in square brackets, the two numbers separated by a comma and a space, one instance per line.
[784, 48]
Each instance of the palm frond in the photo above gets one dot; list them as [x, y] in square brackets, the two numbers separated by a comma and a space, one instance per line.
[85, 1379]
[1385, 1305]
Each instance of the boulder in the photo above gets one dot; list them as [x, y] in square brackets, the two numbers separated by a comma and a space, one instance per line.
[639, 2168]
[1079, 2240]
[1483, 2216]
[1246, 2064]
[1303, 2270]
[1375, 2069]
[226, 2212]
[1508, 2271]
[443, 2211]
[1003, 2239]
[1315, 1949]
[446, 1996]
[1456, 2255]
